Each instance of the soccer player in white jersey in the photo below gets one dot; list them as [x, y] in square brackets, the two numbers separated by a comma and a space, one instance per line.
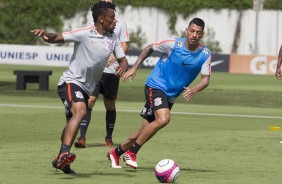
[107, 86]
[181, 61]
[92, 49]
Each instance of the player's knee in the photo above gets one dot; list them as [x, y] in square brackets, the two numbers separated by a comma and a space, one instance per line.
[79, 112]
[163, 121]
[110, 107]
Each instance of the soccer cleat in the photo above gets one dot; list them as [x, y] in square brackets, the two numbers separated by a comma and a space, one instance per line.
[108, 142]
[80, 143]
[130, 159]
[114, 158]
[66, 169]
[65, 159]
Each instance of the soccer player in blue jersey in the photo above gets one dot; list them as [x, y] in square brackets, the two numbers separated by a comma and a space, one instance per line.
[278, 73]
[181, 61]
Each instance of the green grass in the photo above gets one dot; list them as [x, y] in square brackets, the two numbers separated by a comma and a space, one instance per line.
[224, 89]
[221, 136]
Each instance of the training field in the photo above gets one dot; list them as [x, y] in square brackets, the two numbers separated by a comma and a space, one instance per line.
[221, 136]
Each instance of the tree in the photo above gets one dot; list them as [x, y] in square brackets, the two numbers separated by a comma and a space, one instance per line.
[18, 17]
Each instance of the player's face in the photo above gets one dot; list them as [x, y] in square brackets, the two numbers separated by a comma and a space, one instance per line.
[109, 23]
[194, 34]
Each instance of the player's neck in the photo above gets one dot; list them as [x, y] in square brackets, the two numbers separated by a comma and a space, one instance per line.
[100, 30]
[191, 47]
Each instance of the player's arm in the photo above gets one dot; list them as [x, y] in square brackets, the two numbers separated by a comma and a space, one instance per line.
[142, 56]
[122, 68]
[48, 37]
[112, 58]
[278, 73]
[205, 79]
[189, 92]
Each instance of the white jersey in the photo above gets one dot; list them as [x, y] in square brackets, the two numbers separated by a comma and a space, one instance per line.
[120, 31]
[90, 56]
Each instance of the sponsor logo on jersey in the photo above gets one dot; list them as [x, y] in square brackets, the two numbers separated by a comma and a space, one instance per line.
[186, 64]
[78, 94]
[158, 101]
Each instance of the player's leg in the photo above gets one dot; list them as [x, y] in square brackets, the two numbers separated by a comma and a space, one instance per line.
[110, 120]
[110, 84]
[75, 101]
[81, 140]
[114, 154]
[157, 112]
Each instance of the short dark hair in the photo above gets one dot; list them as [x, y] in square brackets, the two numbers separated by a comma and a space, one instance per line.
[198, 22]
[101, 8]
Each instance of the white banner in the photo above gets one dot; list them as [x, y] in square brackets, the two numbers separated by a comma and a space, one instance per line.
[35, 55]
[50, 55]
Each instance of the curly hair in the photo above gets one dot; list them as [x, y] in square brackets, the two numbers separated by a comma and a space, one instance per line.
[101, 8]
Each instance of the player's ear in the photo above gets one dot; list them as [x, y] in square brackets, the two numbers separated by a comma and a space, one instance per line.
[101, 18]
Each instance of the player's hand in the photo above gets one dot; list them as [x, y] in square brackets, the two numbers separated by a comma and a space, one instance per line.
[40, 32]
[278, 74]
[119, 71]
[91, 101]
[110, 61]
[188, 94]
[129, 74]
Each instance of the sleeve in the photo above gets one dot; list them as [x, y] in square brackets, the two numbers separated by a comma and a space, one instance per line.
[206, 67]
[164, 46]
[123, 35]
[76, 35]
[118, 51]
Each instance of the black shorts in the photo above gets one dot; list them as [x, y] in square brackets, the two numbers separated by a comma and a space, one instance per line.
[107, 86]
[155, 99]
[70, 92]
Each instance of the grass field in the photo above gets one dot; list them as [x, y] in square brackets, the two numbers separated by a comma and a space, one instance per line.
[221, 136]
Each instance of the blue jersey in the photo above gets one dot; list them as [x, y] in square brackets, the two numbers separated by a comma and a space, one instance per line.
[178, 66]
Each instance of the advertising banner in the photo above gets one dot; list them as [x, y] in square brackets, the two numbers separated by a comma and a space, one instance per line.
[61, 55]
[252, 64]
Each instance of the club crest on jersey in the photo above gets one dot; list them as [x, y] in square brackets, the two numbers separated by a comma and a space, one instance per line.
[158, 101]
[78, 94]
[179, 43]
[206, 51]
[110, 44]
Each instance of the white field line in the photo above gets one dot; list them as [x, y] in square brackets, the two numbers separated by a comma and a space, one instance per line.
[127, 110]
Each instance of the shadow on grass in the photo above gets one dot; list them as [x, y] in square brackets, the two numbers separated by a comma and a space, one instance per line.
[88, 175]
[198, 170]
[7, 84]
[99, 145]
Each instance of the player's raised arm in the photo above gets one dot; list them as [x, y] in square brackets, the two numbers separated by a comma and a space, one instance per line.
[142, 56]
[48, 37]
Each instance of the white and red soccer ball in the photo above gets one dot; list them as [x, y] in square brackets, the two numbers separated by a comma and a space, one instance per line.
[167, 171]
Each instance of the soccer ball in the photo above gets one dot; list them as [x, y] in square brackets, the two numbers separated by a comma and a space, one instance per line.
[167, 171]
